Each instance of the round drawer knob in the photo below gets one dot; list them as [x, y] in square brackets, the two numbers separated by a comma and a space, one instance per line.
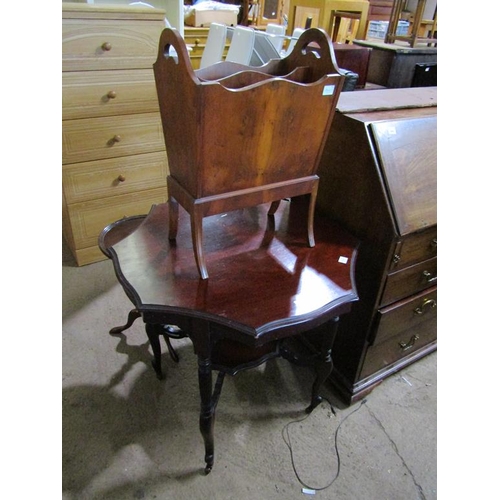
[106, 46]
[111, 94]
[116, 138]
[197, 41]
[121, 178]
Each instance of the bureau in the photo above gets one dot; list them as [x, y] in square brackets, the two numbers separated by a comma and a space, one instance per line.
[378, 179]
[113, 154]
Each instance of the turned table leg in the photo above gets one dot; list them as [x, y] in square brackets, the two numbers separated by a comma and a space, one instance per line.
[324, 364]
[207, 410]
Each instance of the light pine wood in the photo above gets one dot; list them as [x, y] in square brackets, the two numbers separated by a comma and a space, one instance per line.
[326, 14]
[89, 94]
[115, 176]
[196, 39]
[111, 136]
[89, 218]
[114, 160]
[132, 44]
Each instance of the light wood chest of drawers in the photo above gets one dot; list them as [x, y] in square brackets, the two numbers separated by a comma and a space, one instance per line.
[113, 151]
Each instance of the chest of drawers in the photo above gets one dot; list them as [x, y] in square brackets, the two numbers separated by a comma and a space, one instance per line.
[113, 152]
[378, 178]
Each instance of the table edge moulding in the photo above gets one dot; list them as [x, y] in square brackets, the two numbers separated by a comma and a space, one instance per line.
[267, 287]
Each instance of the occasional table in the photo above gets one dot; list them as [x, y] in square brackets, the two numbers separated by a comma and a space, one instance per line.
[266, 287]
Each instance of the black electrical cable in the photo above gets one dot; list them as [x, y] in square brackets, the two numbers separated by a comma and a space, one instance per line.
[289, 445]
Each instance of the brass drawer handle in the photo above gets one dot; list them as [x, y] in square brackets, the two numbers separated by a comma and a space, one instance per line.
[106, 46]
[111, 94]
[428, 276]
[408, 345]
[434, 243]
[427, 302]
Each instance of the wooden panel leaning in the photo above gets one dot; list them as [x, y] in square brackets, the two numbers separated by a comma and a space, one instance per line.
[238, 136]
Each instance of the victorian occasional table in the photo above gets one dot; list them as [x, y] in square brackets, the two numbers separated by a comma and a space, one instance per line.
[266, 287]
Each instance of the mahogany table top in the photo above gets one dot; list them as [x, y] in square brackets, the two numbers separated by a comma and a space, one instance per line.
[264, 278]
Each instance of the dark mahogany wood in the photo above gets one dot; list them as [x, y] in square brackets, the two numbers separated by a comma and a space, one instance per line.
[378, 179]
[266, 285]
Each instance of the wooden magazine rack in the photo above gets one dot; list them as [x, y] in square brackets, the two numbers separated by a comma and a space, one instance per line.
[238, 136]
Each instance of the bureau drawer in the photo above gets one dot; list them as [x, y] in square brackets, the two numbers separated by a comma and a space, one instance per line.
[415, 248]
[404, 343]
[110, 137]
[408, 281]
[406, 314]
[98, 44]
[115, 176]
[88, 219]
[88, 94]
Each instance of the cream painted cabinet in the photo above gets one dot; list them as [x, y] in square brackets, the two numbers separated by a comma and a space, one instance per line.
[113, 152]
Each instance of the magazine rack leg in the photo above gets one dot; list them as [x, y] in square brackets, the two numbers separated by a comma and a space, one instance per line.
[173, 218]
[198, 208]
[310, 216]
[197, 237]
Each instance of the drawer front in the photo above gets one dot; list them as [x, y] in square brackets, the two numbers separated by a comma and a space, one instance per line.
[194, 36]
[415, 248]
[397, 347]
[110, 137]
[88, 94]
[89, 218]
[96, 44]
[115, 176]
[411, 280]
[406, 314]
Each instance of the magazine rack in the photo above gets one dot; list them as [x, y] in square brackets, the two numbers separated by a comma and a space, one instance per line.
[238, 136]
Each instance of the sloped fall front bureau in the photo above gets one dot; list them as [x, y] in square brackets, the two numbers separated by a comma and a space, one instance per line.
[113, 153]
[378, 178]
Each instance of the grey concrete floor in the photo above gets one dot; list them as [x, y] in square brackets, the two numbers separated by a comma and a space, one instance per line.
[127, 435]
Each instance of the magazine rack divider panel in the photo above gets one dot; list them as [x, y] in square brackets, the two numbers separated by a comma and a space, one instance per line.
[238, 136]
